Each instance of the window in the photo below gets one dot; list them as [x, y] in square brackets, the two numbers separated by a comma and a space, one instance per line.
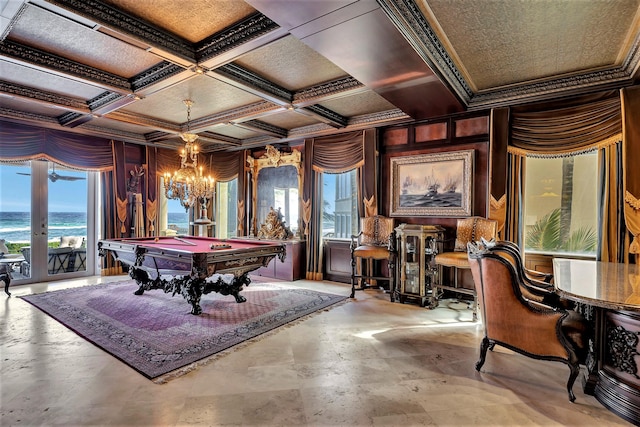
[288, 199]
[226, 216]
[177, 217]
[339, 205]
[560, 207]
[173, 217]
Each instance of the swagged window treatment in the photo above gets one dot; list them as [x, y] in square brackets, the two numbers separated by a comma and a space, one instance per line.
[563, 129]
[23, 142]
[335, 154]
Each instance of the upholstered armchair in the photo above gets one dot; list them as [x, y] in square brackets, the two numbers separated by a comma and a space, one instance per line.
[532, 287]
[527, 327]
[533, 275]
[470, 229]
[375, 242]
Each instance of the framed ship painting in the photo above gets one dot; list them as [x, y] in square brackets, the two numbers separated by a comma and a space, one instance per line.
[437, 184]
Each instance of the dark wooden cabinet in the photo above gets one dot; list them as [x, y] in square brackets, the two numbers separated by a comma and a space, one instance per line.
[538, 262]
[293, 267]
[337, 260]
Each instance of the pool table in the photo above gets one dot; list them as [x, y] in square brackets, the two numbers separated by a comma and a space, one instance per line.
[191, 266]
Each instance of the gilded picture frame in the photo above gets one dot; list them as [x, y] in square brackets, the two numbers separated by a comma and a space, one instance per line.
[438, 184]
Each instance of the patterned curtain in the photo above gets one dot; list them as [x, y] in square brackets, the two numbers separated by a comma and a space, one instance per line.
[151, 191]
[120, 188]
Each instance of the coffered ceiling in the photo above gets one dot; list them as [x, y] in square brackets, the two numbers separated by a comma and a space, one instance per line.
[276, 71]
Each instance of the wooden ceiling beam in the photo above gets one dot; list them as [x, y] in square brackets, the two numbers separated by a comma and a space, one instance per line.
[53, 64]
[44, 97]
[263, 128]
[248, 81]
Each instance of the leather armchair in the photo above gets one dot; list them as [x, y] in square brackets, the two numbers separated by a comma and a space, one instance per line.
[527, 327]
[532, 287]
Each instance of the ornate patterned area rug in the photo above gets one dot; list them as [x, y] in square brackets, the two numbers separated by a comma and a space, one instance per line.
[157, 335]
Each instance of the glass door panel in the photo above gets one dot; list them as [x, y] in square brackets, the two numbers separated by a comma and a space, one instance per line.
[67, 220]
[15, 218]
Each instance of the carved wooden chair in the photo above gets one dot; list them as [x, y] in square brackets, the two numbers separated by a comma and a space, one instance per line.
[527, 327]
[375, 242]
[470, 229]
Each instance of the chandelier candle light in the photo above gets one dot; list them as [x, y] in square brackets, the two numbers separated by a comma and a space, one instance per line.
[188, 184]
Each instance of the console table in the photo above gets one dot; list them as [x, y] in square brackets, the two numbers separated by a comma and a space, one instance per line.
[293, 266]
[608, 294]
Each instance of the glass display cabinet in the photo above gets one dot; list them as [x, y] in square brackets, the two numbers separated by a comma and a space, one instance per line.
[417, 248]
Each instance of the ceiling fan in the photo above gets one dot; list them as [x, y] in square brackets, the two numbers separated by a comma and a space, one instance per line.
[54, 176]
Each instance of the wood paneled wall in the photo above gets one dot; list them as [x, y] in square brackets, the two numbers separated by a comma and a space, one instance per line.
[452, 133]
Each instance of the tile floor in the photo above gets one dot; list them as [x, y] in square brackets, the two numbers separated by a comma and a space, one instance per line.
[367, 362]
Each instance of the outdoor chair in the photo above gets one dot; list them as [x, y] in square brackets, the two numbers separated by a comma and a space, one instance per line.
[58, 260]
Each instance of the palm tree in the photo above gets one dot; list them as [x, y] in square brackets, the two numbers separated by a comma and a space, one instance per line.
[566, 197]
[546, 235]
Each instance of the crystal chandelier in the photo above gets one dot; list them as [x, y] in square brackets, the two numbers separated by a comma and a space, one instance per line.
[188, 184]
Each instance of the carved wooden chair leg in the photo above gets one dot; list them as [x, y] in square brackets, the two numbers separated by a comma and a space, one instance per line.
[484, 346]
[353, 277]
[575, 370]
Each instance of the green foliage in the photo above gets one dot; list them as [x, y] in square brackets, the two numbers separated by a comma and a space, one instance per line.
[545, 236]
[545, 233]
[582, 240]
[14, 248]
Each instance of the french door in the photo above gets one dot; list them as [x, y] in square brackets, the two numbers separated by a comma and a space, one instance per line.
[48, 220]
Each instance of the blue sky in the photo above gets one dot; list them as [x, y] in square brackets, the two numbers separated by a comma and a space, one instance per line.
[64, 196]
[70, 196]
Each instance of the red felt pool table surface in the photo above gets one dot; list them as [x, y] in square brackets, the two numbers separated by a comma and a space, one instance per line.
[191, 266]
[193, 244]
[173, 254]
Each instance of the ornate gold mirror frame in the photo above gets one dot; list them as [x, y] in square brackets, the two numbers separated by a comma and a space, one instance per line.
[273, 158]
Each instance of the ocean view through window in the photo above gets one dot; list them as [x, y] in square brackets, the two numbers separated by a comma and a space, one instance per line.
[47, 219]
[67, 204]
